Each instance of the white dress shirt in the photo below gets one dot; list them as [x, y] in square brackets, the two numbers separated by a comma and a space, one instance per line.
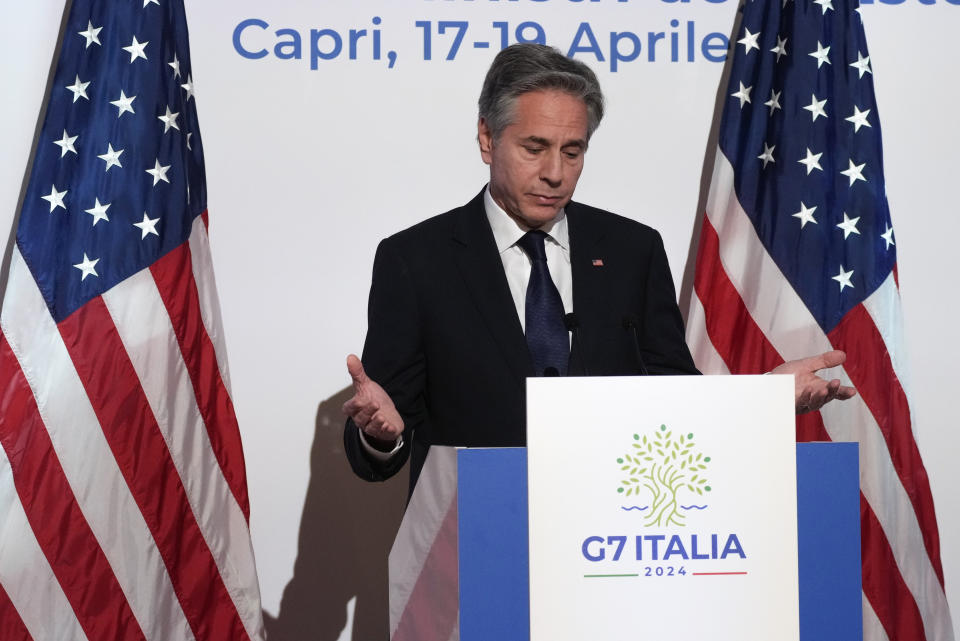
[516, 263]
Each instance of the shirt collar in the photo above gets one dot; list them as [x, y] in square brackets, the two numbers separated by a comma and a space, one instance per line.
[507, 231]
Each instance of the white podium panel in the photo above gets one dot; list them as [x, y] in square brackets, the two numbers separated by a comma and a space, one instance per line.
[662, 508]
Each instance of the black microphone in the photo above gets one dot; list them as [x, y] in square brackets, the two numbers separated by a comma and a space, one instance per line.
[551, 371]
[632, 324]
[573, 326]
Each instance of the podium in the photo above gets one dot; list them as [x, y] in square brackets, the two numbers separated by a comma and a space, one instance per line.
[460, 566]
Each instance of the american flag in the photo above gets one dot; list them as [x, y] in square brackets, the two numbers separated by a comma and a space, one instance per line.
[797, 256]
[123, 498]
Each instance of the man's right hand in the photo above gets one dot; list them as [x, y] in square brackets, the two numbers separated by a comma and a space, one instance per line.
[372, 409]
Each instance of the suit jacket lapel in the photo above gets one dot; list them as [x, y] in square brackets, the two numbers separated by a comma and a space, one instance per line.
[589, 280]
[480, 266]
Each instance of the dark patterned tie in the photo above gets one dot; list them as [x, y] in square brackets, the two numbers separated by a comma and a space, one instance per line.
[546, 332]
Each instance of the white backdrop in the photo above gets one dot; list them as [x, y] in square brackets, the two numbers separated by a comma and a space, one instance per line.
[308, 168]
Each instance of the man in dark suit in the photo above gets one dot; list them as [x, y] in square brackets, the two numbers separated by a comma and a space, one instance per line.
[520, 282]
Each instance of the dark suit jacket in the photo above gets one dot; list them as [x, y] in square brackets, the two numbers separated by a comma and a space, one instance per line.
[445, 341]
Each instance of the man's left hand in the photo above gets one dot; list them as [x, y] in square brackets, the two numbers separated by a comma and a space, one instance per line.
[810, 391]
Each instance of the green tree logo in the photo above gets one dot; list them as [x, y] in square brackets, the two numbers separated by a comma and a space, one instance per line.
[664, 465]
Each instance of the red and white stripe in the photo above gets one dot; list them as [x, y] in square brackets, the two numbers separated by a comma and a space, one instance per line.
[746, 318]
[123, 502]
[424, 561]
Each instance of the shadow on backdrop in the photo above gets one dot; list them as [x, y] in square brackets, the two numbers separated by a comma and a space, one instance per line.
[346, 531]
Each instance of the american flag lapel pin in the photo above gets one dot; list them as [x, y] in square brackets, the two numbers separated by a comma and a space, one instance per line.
[597, 262]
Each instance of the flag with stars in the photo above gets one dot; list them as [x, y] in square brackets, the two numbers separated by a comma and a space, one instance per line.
[797, 256]
[123, 497]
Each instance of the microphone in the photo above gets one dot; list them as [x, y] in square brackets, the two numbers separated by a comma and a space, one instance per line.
[551, 371]
[632, 324]
[573, 326]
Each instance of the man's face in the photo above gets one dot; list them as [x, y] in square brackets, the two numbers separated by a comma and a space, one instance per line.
[537, 160]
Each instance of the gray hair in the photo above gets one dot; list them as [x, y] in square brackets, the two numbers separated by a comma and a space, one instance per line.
[522, 68]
